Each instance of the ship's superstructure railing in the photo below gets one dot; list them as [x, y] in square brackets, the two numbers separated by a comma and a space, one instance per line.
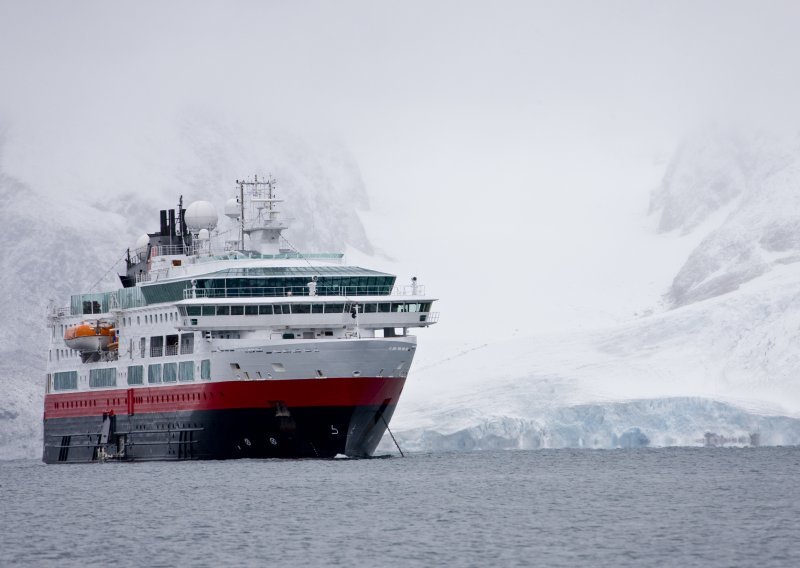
[284, 291]
[210, 250]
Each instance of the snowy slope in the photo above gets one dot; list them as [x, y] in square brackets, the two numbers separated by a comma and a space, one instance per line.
[717, 366]
[721, 358]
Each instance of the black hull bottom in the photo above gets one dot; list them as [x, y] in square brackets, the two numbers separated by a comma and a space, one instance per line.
[315, 432]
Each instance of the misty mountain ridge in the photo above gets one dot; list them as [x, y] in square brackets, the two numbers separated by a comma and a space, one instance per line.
[749, 183]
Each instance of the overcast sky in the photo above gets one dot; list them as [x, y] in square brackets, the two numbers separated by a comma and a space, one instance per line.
[485, 125]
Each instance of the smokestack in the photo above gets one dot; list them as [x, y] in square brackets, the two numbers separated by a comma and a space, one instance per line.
[171, 222]
[163, 231]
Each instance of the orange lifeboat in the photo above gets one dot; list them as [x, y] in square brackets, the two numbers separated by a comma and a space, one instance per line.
[89, 336]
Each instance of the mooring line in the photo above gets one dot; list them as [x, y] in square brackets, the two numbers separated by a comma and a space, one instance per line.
[392, 435]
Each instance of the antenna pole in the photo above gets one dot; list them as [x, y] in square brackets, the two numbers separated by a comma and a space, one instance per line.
[241, 219]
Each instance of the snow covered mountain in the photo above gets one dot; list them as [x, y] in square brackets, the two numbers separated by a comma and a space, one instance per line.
[720, 357]
[67, 241]
[747, 190]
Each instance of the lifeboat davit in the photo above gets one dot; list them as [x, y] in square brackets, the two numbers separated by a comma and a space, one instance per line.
[89, 336]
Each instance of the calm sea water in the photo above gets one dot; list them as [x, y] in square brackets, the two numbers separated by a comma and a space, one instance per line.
[668, 507]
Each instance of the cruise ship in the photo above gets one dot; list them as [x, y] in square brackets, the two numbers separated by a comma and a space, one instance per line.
[230, 344]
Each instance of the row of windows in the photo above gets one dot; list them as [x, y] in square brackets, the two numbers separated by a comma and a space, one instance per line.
[276, 309]
[173, 372]
[326, 285]
[150, 319]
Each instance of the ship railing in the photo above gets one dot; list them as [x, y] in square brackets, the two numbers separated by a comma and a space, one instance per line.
[168, 250]
[60, 312]
[156, 351]
[409, 290]
[287, 291]
[170, 350]
[430, 317]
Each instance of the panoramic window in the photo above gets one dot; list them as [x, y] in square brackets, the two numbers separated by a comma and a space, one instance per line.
[205, 369]
[265, 310]
[237, 310]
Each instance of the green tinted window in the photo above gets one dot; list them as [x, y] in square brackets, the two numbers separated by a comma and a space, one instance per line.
[170, 374]
[67, 380]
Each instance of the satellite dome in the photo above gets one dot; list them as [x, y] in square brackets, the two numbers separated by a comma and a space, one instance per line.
[200, 215]
[142, 242]
[203, 235]
[232, 208]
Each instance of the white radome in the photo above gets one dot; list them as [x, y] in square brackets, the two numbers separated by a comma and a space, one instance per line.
[201, 215]
[203, 235]
[232, 208]
[142, 242]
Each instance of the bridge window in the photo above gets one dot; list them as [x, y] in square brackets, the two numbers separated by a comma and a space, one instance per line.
[334, 308]
[237, 310]
[251, 310]
[191, 310]
[223, 310]
[301, 309]
[209, 310]
[265, 310]
[317, 308]
[370, 308]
